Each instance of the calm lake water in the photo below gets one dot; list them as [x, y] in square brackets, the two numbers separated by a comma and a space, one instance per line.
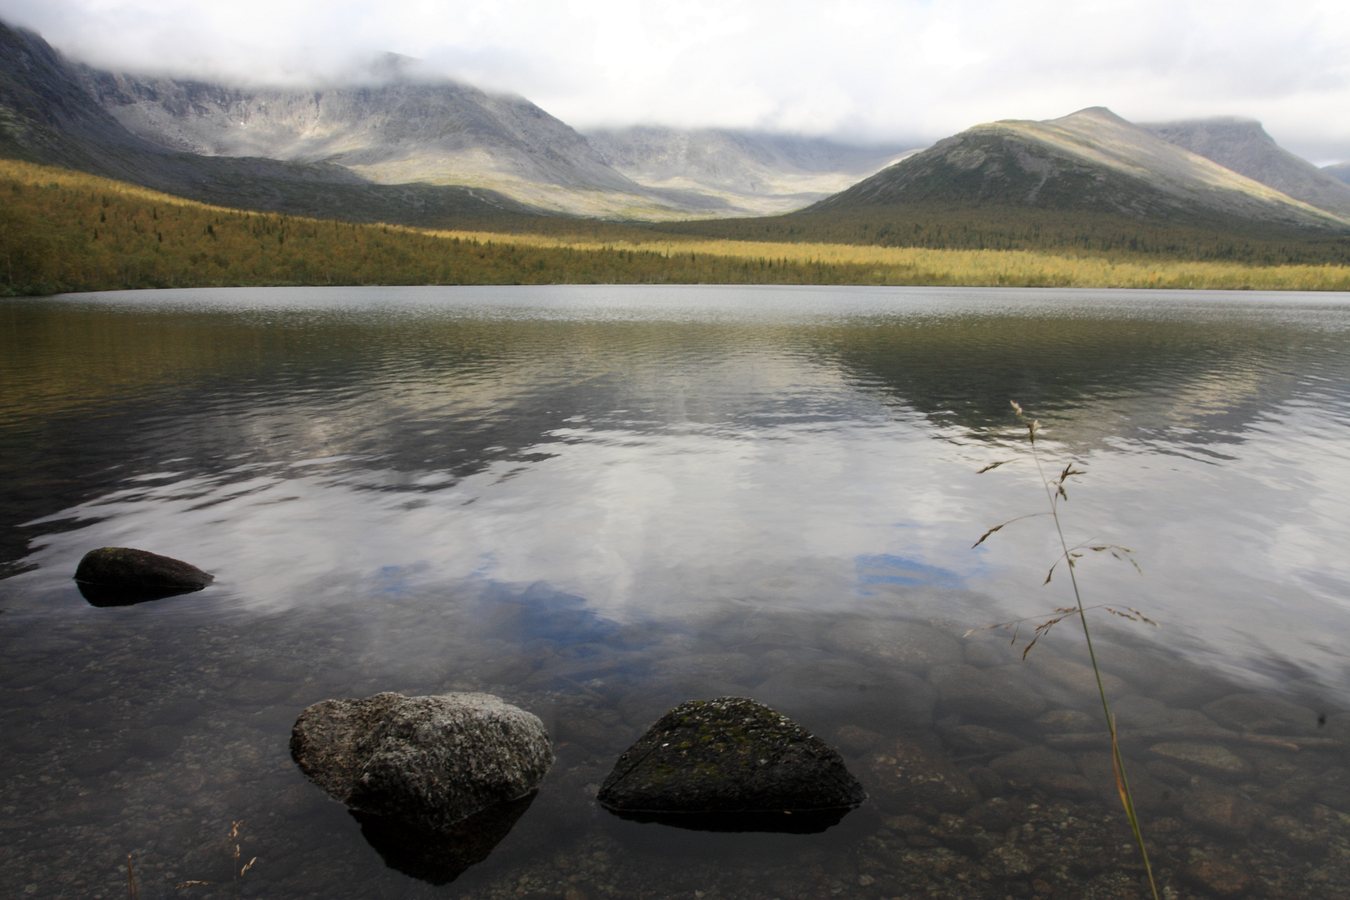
[597, 502]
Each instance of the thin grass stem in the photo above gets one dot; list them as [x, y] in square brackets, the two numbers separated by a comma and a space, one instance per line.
[1118, 763]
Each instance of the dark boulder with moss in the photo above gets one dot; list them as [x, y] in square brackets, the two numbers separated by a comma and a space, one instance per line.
[425, 763]
[116, 576]
[731, 764]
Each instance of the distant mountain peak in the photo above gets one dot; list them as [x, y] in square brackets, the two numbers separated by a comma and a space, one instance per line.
[1244, 146]
[389, 66]
[1095, 113]
[1091, 160]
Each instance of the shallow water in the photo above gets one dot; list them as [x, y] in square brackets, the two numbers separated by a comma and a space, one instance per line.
[599, 502]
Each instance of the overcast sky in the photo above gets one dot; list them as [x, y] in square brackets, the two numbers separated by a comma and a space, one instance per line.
[910, 71]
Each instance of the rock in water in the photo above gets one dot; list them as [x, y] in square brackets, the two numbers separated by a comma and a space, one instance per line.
[424, 762]
[111, 576]
[731, 764]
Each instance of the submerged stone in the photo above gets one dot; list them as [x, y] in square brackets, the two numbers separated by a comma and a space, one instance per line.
[731, 764]
[425, 762]
[1209, 758]
[119, 576]
[916, 777]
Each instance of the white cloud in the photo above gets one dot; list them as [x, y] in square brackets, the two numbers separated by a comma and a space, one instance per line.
[894, 69]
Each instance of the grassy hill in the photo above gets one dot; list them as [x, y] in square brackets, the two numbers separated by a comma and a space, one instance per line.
[68, 231]
[1087, 184]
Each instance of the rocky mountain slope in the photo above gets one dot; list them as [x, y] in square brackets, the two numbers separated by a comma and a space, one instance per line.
[1244, 146]
[755, 173]
[1339, 171]
[48, 116]
[1092, 160]
[399, 131]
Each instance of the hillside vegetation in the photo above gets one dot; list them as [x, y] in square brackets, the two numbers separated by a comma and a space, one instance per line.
[1076, 234]
[67, 231]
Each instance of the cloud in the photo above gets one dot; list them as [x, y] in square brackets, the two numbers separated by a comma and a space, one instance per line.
[884, 69]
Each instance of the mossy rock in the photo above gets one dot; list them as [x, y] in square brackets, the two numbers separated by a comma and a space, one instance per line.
[732, 764]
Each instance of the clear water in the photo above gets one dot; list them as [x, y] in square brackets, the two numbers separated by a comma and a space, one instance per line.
[598, 502]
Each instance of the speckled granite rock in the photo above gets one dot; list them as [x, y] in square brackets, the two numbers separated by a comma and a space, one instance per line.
[429, 761]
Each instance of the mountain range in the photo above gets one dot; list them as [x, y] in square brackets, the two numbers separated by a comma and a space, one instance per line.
[394, 145]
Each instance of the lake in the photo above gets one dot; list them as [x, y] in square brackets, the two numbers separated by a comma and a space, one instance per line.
[598, 502]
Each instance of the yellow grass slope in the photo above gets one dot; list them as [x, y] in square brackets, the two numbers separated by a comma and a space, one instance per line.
[66, 231]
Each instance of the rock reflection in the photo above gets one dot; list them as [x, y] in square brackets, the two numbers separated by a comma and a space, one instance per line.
[106, 595]
[439, 857]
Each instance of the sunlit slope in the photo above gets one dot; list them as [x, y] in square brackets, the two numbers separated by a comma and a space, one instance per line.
[1090, 161]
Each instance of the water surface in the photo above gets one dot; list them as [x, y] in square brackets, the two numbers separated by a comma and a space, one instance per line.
[598, 502]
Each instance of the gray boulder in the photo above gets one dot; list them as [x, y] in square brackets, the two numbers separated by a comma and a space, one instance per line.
[731, 764]
[112, 576]
[424, 762]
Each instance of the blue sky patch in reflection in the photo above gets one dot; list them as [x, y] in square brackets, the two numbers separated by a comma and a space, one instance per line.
[888, 568]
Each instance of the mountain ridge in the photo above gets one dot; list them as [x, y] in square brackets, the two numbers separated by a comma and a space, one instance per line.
[1245, 147]
[398, 131]
[47, 116]
[1090, 159]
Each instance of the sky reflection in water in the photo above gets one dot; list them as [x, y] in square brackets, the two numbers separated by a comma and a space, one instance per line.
[662, 451]
[623, 498]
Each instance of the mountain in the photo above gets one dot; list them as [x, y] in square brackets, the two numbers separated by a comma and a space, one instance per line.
[756, 173]
[1339, 171]
[1244, 146]
[47, 115]
[1091, 161]
[397, 146]
[398, 130]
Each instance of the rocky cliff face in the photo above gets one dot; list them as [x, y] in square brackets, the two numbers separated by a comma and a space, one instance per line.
[49, 115]
[397, 132]
[1244, 146]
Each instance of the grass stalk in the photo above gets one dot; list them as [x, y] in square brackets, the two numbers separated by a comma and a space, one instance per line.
[1054, 492]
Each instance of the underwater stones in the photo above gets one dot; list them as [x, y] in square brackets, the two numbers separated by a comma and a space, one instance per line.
[1262, 713]
[731, 764]
[1219, 810]
[880, 698]
[118, 576]
[425, 762]
[1069, 720]
[1210, 759]
[1137, 713]
[911, 776]
[908, 645]
[1066, 682]
[979, 740]
[1216, 877]
[1000, 693]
